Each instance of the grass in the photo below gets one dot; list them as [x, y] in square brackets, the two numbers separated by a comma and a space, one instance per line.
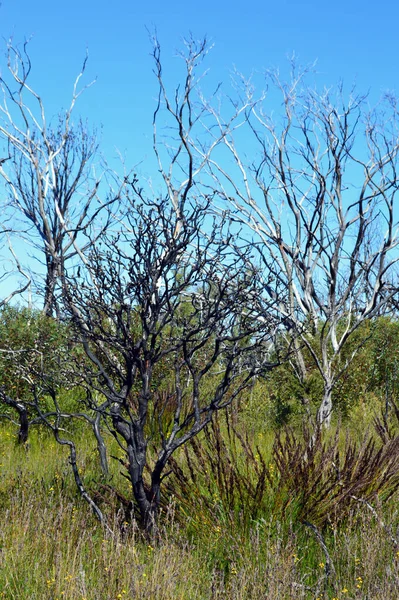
[214, 543]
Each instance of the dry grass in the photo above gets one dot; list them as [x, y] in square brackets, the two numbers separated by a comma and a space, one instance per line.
[52, 548]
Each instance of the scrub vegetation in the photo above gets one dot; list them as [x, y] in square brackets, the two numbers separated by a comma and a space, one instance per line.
[204, 402]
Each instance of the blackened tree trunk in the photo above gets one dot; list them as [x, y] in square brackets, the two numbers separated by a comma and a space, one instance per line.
[23, 417]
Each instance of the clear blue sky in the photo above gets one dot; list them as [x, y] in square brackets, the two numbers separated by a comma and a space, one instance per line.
[351, 39]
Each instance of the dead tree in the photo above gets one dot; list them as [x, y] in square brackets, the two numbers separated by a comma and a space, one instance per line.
[169, 319]
[316, 203]
[321, 199]
[48, 172]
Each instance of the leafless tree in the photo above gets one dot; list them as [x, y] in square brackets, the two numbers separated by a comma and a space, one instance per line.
[320, 200]
[316, 200]
[169, 318]
[48, 172]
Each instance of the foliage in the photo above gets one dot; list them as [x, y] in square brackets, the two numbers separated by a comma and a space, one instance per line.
[370, 382]
[36, 354]
[321, 483]
[32, 346]
[374, 369]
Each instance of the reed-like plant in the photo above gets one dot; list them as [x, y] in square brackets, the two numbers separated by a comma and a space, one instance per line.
[300, 476]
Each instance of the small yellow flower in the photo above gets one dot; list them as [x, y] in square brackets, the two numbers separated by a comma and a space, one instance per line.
[321, 565]
[344, 590]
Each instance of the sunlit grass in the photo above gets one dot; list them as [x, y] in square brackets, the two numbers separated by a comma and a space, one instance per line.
[52, 547]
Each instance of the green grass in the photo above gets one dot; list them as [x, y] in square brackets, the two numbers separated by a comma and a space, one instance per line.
[51, 546]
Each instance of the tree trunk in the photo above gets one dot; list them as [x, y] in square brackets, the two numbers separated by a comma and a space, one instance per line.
[147, 500]
[49, 289]
[23, 423]
[325, 410]
[143, 504]
[155, 498]
[137, 461]
[101, 447]
[22, 415]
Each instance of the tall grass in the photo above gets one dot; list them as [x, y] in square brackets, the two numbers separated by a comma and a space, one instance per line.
[294, 477]
[227, 530]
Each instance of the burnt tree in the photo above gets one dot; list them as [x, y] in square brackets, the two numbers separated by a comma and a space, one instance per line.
[170, 318]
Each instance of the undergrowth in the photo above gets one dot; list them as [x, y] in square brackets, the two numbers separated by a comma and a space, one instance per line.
[274, 517]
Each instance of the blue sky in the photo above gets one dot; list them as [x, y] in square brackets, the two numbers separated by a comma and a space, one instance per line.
[352, 40]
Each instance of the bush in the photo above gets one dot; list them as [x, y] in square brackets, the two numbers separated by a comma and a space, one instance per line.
[298, 477]
[36, 352]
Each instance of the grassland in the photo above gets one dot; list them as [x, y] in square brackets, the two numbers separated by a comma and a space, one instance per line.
[216, 540]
